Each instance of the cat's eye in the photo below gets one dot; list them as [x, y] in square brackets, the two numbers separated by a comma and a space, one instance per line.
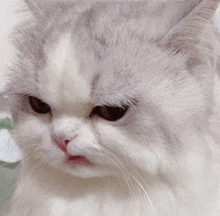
[110, 113]
[39, 106]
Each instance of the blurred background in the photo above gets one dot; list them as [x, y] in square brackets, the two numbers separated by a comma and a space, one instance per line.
[9, 153]
[9, 17]
[7, 21]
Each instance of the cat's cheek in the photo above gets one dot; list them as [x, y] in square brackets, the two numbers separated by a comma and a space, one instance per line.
[48, 151]
[125, 153]
[30, 133]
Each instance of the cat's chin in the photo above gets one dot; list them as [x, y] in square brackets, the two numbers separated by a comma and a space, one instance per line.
[80, 166]
[86, 171]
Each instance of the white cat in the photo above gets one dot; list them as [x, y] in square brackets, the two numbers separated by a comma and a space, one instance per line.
[115, 109]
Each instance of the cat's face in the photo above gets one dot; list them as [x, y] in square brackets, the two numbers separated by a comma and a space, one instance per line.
[98, 101]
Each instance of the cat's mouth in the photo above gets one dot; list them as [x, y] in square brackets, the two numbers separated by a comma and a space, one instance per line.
[78, 159]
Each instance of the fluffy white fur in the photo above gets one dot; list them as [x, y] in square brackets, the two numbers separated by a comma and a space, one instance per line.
[163, 156]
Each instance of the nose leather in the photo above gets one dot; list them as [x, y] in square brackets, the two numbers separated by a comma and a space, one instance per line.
[62, 143]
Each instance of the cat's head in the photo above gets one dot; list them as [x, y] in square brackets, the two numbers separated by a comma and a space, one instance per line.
[95, 93]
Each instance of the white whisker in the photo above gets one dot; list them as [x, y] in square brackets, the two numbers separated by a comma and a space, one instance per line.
[125, 172]
[149, 200]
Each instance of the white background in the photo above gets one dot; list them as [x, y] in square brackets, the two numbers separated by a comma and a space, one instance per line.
[8, 18]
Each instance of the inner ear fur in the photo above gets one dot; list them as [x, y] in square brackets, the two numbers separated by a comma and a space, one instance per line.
[187, 33]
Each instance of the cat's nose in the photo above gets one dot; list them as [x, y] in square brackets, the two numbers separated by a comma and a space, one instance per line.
[62, 143]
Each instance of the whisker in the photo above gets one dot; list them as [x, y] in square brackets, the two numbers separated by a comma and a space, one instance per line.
[126, 177]
[35, 167]
[29, 146]
[116, 177]
[125, 171]
[145, 192]
[23, 161]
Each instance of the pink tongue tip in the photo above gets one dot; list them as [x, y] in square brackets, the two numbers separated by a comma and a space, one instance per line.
[78, 160]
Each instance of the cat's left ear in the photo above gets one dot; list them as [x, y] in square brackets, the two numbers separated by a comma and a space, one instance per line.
[187, 33]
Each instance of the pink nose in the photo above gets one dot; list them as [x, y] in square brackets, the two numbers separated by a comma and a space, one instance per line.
[61, 143]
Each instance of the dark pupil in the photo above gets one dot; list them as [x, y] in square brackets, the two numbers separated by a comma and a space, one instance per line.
[110, 113]
[38, 105]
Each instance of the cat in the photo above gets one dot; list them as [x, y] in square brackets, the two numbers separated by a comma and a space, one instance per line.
[115, 107]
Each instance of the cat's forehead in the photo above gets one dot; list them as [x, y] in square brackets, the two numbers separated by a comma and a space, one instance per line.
[90, 66]
[62, 80]
[73, 75]
[79, 74]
